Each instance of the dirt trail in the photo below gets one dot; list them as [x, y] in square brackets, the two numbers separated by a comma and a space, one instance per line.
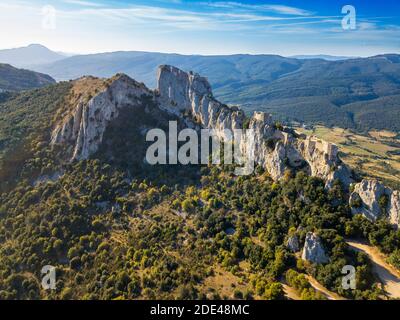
[389, 276]
[290, 292]
[319, 287]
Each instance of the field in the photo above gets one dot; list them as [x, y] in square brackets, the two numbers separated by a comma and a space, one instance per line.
[374, 155]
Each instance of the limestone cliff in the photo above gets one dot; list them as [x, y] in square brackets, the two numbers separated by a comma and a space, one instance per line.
[189, 96]
[373, 200]
[84, 126]
[180, 92]
[276, 150]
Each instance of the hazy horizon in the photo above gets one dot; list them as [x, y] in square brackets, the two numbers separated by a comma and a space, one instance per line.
[298, 56]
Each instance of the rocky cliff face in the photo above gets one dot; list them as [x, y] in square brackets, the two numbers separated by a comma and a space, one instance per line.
[189, 96]
[275, 150]
[83, 128]
[180, 92]
[313, 250]
[373, 200]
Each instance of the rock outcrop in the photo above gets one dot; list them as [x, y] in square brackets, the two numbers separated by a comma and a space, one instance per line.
[189, 97]
[373, 200]
[83, 128]
[313, 250]
[293, 243]
[180, 92]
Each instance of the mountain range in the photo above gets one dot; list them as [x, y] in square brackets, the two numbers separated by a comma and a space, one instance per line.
[356, 93]
[323, 56]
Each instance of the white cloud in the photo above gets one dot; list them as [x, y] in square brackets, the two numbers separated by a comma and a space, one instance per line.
[288, 10]
[83, 3]
[280, 9]
[189, 19]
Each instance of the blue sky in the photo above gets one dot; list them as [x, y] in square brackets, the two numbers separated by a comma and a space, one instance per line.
[289, 27]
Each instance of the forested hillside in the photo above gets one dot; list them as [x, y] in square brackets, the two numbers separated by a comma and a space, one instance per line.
[113, 237]
[25, 123]
[117, 228]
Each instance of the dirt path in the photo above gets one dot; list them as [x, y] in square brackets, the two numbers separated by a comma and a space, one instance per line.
[290, 292]
[389, 276]
[293, 294]
[319, 287]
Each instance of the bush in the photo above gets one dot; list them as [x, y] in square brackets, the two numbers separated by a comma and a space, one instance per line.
[237, 294]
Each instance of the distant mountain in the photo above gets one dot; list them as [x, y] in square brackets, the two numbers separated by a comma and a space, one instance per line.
[13, 79]
[355, 93]
[323, 57]
[309, 90]
[33, 54]
[221, 70]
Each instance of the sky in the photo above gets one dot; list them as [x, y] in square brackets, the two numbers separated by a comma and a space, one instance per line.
[291, 27]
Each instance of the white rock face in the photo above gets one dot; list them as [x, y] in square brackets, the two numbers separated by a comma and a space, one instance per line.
[189, 96]
[367, 195]
[187, 92]
[85, 126]
[394, 209]
[274, 150]
[313, 250]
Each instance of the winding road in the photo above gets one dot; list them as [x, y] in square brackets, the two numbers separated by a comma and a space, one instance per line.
[389, 276]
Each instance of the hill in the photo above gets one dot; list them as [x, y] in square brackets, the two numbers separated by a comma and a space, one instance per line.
[307, 90]
[13, 79]
[343, 93]
[142, 66]
[33, 54]
[115, 227]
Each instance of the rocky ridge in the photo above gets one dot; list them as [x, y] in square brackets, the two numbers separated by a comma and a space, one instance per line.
[189, 96]
[182, 93]
[275, 149]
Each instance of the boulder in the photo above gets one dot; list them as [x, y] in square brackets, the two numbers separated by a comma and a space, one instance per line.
[374, 200]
